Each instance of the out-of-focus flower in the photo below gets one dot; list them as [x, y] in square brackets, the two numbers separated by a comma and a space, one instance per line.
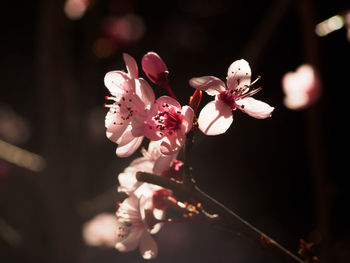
[75, 9]
[100, 230]
[133, 229]
[155, 68]
[118, 32]
[347, 24]
[13, 128]
[302, 87]
[167, 121]
[216, 117]
[131, 95]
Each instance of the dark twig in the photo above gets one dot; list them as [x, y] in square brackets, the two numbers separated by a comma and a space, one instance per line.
[226, 215]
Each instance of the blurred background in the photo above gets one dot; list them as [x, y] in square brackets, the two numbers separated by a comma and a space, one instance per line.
[287, 175]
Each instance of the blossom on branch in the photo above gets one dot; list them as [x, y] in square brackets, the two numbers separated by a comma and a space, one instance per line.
[133, 228]
[166, 121]
[216, 117]
[131, 95]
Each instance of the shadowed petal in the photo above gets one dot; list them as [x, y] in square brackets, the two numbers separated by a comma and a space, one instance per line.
[127, 143]
[131, 66]
[144, 91]
[187, 121]
[215, 118]
[210, 84]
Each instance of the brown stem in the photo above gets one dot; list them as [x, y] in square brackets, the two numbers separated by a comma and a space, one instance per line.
[187, 175]
[165, 85]
[226, 215]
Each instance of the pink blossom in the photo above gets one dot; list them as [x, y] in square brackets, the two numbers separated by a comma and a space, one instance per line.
[131, 95]
[133, 228]
[154, 67]
[302, 87]
[216, 117]
[167, 121]
[100, 230]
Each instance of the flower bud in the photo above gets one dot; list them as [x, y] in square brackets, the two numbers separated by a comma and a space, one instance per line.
[195, 100]
[155, 68]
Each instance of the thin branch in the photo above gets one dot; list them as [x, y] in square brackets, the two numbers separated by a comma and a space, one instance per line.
[187, 175]
[226, 215]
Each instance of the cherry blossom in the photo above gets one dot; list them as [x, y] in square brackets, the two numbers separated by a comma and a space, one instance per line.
[131, 95]
[100, 230]
[216, 117]
[302, 87]
[167, 121]
[134, 224]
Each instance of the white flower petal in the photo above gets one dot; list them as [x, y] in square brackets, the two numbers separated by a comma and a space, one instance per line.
[131, 66]
[162, 164]
[171, 144]
[167, 100]
[148, 247]
[144, 91]
[127, 182]
[115, 126]
[127, 143]
[238, 74]
[114, 81]
[215, 118]
[255, 108]
[210, 84]
[187, 121]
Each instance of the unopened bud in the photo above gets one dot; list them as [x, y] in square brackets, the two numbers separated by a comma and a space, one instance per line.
[155, 68]
[195, 100]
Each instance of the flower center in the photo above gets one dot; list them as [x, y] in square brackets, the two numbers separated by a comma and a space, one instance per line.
[229, 97]
[169, 119]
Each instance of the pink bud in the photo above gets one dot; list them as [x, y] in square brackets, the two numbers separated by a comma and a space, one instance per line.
[195, 100]
[155, 68]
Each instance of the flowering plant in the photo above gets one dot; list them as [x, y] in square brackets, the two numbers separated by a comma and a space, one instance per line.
[153, 181]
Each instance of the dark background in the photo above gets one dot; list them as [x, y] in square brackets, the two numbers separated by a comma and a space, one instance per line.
[287, 175]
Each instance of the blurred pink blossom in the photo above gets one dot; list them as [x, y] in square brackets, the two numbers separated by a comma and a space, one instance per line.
[100, 230]
[131, 95]
[302, 88]
[167, 121]
[75, 9]
[216, 117]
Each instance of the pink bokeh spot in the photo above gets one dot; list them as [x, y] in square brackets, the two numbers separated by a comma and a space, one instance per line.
[302, 88]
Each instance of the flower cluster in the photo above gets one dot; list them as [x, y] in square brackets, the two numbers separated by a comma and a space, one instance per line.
[135, 113]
